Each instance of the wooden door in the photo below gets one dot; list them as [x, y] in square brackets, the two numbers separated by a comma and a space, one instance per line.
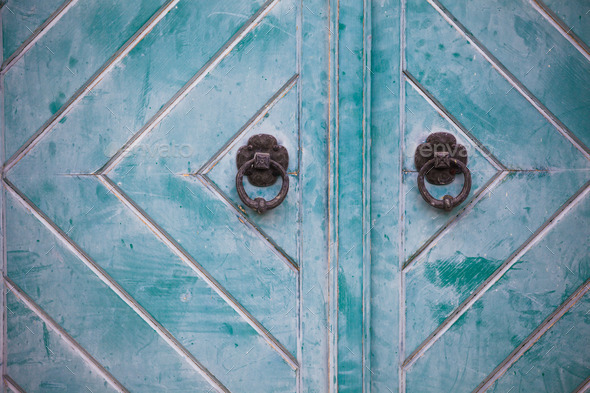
[130, 263]
[492, 296]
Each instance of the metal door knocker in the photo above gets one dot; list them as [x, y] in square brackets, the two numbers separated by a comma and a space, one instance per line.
[439, 159]
[262, 160]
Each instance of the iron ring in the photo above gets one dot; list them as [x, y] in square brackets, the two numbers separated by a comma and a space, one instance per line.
[260, 204]
[448, 202]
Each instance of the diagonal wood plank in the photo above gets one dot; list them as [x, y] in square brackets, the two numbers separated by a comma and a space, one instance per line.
[564, 30]
[58, 66]
[36, 35]
[23, 297]
[194, 81]
[85, 89]
[511, 78]
[187, 258]
[533, 338]
[574, 15]
[114, 286]
[575, 199]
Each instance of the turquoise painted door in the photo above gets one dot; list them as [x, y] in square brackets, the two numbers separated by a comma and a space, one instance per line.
[492, 296]
[130, 263]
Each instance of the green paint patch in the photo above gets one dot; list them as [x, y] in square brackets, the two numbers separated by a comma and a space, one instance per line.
[228, 328]
[46, 339]
[525, 30]
[56, 104]
[52, 149]
[442, 310]
[101, 193]
[462, 273]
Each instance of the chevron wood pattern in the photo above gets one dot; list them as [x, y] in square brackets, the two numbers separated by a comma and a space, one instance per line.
[138, 270]
[131, 265]
[480, 292]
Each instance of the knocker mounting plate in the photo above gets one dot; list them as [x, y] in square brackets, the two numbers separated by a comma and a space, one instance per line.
[261, 174]
[435, 147]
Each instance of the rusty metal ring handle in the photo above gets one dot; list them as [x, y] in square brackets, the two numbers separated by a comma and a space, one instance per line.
[448, 202]
[260, 204]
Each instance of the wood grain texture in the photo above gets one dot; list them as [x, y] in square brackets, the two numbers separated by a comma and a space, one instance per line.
[351, 178]
[234, 301]
[574, 14]
[33, 94]
[39, 358]
[21, 19]
[460, 74]
[385, 196]
[135, 264]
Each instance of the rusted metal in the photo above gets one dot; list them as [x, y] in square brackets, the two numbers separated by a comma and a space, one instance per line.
[262, 161]
[438, 160]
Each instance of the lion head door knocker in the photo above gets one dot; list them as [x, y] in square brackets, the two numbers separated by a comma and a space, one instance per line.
[262, 161]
